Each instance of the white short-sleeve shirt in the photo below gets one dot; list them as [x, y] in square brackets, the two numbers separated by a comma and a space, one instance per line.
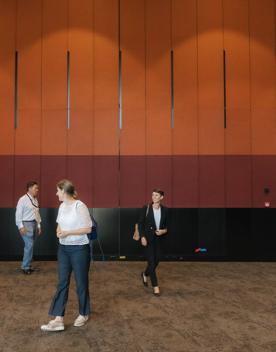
[74, 216]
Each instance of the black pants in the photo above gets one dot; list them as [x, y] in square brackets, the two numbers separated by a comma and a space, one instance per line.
[152, 252]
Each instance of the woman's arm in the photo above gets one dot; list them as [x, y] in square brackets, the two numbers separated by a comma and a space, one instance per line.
[83, 231]
[141, 222]
[141, 225]
[136, 235]
[58, 228]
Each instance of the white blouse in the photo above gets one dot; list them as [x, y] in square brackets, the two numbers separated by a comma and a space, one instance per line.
[157, 217]
[74, 216]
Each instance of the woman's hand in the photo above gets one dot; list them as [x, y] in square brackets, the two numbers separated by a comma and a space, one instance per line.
[136, 236]
[144, 241]
[160, 232]
[62, 233]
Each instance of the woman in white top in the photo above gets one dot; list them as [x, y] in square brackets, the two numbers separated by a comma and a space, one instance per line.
[74, 223]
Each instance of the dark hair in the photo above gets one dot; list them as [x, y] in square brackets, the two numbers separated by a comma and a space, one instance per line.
[31, 184]
[68, 188]
[157, 190]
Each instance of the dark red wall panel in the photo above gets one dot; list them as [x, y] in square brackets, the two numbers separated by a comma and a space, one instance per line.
[53, 169]
[238, 181]
[105, 192]
[7, 181]
[264, 175]
[79, 171]
[105, 181]
[159, 175]
[211, 181]
[185, 181]
[132, 181]
[26, 168]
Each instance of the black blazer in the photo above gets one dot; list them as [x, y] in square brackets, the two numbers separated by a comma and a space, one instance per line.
[146, 223]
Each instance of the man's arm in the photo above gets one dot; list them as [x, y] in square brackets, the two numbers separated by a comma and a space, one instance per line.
[19, 216]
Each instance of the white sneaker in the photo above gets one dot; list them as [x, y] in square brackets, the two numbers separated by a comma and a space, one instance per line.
[53, 325]
[81, 320]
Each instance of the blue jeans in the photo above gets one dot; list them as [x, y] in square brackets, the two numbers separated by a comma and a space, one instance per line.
[28, 239]
[72, 258]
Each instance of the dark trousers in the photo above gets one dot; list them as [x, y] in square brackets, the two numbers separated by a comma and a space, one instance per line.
[77, 259]
[152, 252]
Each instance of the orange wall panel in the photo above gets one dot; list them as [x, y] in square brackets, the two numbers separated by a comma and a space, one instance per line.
[106, 132]
[210, 77]
[54, 54]
[7, 67]
[54, 132]
[80, 133]
[238, 132]
[262, 63]
[184, 38]
[106, 77]
[29, 27]
[106, 54]
[54, 78]
[80, 45]
[158, 77]
[262, 53]
[29, 46]
[132, 42]
[263, 131]
[81, 16]
[28, 132]
[236, 44]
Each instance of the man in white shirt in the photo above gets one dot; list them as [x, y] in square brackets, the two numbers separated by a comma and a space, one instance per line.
[28, 221]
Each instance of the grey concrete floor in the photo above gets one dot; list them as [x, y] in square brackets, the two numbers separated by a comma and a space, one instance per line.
[208, 307]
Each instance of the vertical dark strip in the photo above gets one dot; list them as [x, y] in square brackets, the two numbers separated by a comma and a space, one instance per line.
[120, 67]
[224, 89]
[172, 88]
[120, 91]
[16, 91]
[146, 101]
[68, 90]
[120, 123]
[250, 102]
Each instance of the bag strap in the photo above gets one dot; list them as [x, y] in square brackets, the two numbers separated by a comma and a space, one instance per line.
[147, 210]
[36, 206]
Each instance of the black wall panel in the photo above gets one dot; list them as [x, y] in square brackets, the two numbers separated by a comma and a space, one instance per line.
[211, 231]
[240, 243]
[226, 234]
